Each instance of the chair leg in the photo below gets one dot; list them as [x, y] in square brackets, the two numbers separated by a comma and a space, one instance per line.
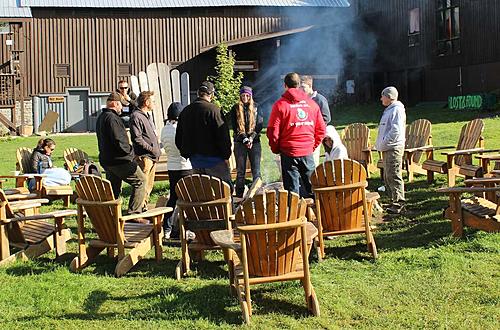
[451, 177]
[60, 240]
[372, 247]
[110, 252]
[66, 200]
[80, 262]
[245, 306]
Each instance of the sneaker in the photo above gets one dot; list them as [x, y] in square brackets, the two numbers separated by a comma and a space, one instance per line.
[166, 234]
[381, 189]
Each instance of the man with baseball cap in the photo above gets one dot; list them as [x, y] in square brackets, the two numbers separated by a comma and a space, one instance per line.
[391, 142]
[202, 135]
[116, 155]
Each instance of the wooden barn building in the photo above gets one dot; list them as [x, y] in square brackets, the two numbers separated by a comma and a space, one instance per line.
[432, 49]
[79, 49]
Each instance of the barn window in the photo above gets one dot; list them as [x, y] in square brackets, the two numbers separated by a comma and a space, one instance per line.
[124, 69]
[62, 70]
[414, 27]
[448, 27]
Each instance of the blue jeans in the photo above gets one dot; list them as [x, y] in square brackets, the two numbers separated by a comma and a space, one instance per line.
[240, 153]
[295, 168]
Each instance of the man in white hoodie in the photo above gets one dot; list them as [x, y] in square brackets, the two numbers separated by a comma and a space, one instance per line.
[391, 142]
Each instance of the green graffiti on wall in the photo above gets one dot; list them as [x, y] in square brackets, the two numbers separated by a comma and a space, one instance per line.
[465, 102]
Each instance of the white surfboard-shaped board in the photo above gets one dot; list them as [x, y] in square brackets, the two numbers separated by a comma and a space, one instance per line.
[154, 86]
[165, 86]
[143, 81]
[176, 85]
[185, 91]
[134, 85]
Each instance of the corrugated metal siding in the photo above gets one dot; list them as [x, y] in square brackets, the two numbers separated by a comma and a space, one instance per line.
[10, 8]
[181, 3]
[93, 46]
[96, 102]
[60, 108]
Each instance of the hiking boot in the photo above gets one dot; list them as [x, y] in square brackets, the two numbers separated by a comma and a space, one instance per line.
[396, 208]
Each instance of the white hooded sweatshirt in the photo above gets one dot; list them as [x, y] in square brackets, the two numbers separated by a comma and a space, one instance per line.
[391, 130]
[338, 151]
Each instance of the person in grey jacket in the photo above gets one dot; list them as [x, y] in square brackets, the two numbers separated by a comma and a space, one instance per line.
[306, 84]
[144, 140]
[391, 142]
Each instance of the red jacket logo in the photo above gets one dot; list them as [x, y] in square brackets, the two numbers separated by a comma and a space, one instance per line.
[301, 114]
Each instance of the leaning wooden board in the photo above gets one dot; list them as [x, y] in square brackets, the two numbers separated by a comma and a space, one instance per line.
[134, 85]
[176, 85]
[165, 86]
[154, 85]
[185, 93]
[143, 81]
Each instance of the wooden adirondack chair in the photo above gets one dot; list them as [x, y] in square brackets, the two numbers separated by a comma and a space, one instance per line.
[96, 200]
[356, 138]
[63, 192]
[418, 135]
[23, 228]
[479, 212]
[341, 203]
[458, 162]
[73, 157]
[204, 204]
[273, 246]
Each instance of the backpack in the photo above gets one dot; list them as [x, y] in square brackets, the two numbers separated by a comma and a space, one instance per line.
[87, 167]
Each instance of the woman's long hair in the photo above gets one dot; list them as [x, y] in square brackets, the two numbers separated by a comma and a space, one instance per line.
[240, 117]
[44, 143]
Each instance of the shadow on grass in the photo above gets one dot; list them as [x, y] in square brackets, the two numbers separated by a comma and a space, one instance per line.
[211, 302]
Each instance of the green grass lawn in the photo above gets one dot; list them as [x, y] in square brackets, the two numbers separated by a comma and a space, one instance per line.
[424, 278]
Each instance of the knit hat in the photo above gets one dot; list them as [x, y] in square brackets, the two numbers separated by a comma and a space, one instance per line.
[174, 110]
[206, 87]
[246, 89]
[114, 97]
[390, 92]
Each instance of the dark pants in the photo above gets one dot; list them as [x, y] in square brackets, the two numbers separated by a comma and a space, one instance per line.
[132, 174]
[295, 168]
[220, 171]
[173, 177]
[241, 152]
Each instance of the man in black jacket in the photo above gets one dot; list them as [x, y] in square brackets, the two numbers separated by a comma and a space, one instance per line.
[203, 136]
[116, 154]
[144, 139]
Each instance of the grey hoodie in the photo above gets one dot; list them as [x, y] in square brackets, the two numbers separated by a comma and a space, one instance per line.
[391, 129]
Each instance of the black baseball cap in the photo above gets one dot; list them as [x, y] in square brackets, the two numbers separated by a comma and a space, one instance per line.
[207, 87]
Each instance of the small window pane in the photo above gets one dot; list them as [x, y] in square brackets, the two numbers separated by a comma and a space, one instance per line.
[414, 20]
[456, 22]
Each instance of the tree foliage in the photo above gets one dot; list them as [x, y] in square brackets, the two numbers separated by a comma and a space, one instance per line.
[227, 83]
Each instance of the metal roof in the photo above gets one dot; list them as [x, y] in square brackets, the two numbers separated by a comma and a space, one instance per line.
[12, 8]
[181, 3]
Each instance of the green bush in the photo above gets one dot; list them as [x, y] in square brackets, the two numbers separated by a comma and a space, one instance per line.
[227, 83]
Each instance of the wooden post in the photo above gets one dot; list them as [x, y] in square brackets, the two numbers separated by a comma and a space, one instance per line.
[4, 241]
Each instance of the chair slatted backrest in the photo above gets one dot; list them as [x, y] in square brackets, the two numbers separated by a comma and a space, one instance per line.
[356, 138]
[14, 230]
[470, 137]
[103, 217]
[23, 156]
[73, 156]
[272, 252]
[418, 134]
[199, 189]
[340, 209]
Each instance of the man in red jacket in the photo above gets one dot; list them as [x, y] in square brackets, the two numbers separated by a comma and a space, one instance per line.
[295, 129]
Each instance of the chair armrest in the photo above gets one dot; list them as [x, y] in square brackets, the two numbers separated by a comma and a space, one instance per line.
[24, 206]
[422, 148]
[363, 184]
[372, 196]
[148, 214]
[45, 216]
[433, 148]
[463, 152]
[224, 238]
[459, 190]
[482, 180]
